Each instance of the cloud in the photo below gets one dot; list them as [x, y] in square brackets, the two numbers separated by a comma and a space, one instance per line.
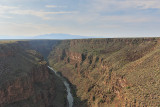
[41, 14]
[114, 5]
[6, 11]
[144, 4]
[5, 16]
[7, 7]
[51, 6]
[54, 6]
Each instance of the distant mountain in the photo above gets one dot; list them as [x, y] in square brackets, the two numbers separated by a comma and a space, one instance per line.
[60, 36]
[48, 36]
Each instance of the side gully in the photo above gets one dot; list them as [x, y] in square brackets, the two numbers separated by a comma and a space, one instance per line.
[69, 95]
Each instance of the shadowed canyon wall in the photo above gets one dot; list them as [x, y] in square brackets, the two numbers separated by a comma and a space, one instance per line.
[25, 80]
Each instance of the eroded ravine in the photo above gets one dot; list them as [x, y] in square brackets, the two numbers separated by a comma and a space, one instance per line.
[69, 95]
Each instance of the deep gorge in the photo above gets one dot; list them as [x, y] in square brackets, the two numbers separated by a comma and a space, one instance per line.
[101, 72]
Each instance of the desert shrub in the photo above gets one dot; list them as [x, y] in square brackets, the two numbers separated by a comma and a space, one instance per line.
[128, 87]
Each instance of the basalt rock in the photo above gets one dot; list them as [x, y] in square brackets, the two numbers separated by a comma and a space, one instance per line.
[111, 72]
[25, 80]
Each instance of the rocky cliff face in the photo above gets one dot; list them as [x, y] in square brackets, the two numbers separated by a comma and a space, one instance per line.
[103, 73]
[25, 80]
[111, 72]
[23, 88]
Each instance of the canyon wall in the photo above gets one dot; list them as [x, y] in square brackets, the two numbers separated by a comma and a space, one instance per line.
[111, 72]
[44, 47]
[102, 72]
[25, 80]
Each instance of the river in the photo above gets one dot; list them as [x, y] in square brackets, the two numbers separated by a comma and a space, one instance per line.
[69, 95]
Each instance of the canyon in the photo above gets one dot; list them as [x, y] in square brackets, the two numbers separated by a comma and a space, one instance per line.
[101, 72]
[25, 80]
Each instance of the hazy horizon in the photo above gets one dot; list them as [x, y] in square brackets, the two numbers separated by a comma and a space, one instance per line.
[63, 37]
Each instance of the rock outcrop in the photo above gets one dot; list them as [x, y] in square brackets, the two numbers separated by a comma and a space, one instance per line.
[25, 80]
[111, 72]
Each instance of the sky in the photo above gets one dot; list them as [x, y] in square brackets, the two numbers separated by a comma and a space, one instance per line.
[99, 18]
